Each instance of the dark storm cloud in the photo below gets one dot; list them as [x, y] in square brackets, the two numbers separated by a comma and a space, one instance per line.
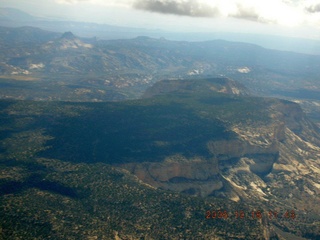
[314, 8]
[190, 8]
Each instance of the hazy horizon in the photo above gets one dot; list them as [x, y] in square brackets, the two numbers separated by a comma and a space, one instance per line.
[290, 18]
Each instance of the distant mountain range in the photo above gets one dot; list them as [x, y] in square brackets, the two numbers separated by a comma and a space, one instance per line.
[43, 65]
[11, 17]
[260, 69]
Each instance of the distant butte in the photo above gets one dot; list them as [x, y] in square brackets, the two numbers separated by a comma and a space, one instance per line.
[68, 35]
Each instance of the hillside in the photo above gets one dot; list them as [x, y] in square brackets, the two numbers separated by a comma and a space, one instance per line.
[204, 86]
[178, 154]
[79, 69]
[42, 65]
[10, 17]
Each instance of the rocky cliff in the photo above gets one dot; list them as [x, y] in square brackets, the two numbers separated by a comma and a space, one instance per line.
[191, 176]
[261, 162]
[260, 152]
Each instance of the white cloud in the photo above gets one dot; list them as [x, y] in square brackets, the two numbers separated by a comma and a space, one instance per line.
[283, 12]
[312, 6]
[187, 7]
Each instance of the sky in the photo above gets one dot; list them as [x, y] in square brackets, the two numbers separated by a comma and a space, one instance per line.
[297, 18]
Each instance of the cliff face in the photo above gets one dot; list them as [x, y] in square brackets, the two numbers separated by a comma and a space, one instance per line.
[261, 152]
[206, 176]
[263, 156]
[262, 161]
[192, 176]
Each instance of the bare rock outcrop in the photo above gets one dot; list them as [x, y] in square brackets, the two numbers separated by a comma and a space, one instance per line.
[272, 152]
[193, 176]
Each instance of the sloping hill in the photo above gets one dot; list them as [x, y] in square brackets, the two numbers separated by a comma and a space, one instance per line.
[79, 69]
[221, 85]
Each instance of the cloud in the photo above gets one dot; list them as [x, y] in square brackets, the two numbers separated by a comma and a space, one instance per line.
[187, 8]
[285, 12]
[313, 8]
[282, 12]
[247, 13]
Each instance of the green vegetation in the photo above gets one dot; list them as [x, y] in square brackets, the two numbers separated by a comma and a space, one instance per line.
[82, 196]
[59, 177]
[122, 69]
[128, 131]
[106, 200]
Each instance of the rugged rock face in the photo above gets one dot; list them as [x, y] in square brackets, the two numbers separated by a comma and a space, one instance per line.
[206, 176]
[287, 174]
[192, 176]
[262, 162]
